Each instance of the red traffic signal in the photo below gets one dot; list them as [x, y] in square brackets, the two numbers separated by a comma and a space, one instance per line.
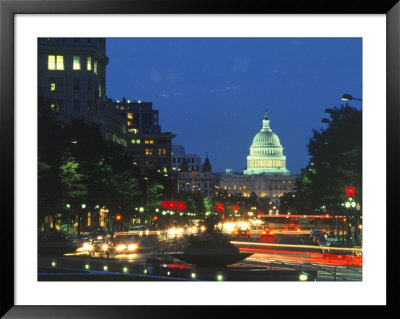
[350, 191]
[171, 205]
[118, 217]
[181, 206]
[164, 204]
[235, 207]
[220, 207]
[155, 218]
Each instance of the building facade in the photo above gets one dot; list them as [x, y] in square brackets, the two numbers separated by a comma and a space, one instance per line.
[135, 126]
[193, 160]
[72, 78]
[191, 180]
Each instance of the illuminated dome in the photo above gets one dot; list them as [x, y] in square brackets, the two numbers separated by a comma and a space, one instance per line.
[266, 153]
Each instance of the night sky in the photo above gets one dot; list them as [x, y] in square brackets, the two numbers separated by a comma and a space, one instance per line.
[212, 92]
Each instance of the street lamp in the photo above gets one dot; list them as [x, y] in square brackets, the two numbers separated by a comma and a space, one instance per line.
[147, 201]
[349, 97]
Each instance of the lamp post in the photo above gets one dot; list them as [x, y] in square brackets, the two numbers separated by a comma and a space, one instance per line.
[147, 202]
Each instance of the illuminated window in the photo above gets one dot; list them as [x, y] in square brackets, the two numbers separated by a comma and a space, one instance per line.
[52, 84]
[76, 65]
[137, 141]
[129, 116]
[95, 67]
[89, 63]
[51, 62]
[55, 62]
[133, 130]
[148, 151]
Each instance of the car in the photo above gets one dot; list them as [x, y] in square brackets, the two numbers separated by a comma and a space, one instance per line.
[267, 232]
[96, 247]
[291, 228]
[136, 229]
[315, 232]
[124, 245]
[238, 232]
[101, 234]
[340, 244]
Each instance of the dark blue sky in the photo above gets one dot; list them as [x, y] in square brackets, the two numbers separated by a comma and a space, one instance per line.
[212, 92]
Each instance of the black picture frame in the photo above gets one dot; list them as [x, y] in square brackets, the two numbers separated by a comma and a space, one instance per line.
[8, 10]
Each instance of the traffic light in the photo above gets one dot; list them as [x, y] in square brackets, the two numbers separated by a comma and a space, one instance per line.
[171, 205]
[235, 207]
[155, 218]
[118, 217]
[164, 204]
[220, 207]
[350, 191]
[181, 206]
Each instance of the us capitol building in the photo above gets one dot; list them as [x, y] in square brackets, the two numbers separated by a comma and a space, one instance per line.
[266, 174]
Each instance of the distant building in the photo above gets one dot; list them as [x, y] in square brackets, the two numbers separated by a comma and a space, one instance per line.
[135, 126]
[193, 160]
[72, 77]
[266, 174]
[191, 180]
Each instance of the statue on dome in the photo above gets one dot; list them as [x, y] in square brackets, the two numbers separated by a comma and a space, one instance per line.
[266, 114]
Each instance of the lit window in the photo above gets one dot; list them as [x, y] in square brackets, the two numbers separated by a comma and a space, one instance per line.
[55, 62]
[99, 89]
[89, 63]
[129, 116]
[151, 142]
[95, 67]
[149, 151]
[76, 63]
[137, 141]
[52, 62]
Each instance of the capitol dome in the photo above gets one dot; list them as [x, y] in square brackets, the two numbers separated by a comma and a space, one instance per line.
[266, 153]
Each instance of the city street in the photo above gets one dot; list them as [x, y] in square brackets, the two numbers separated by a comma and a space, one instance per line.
[286, 251]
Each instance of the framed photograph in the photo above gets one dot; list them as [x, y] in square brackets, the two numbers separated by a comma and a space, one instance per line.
[163, 154]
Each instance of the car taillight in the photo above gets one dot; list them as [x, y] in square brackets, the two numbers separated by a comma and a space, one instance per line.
[264, 232]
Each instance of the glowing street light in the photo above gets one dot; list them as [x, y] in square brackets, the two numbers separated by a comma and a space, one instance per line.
[349, 97]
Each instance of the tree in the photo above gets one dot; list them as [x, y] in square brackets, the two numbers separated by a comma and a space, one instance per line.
[75, 189]
[335, 164]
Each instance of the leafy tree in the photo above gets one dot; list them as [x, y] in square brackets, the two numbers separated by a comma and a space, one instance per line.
[335, 164]
[75, 189]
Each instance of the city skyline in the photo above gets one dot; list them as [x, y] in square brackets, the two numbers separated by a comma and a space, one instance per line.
[212, 92]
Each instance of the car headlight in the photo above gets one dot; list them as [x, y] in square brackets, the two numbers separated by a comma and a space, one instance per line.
[132, 247]
[104, 247]
[87, 246]
[121, 247]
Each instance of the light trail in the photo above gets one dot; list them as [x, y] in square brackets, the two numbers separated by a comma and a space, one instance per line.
[297, 246]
